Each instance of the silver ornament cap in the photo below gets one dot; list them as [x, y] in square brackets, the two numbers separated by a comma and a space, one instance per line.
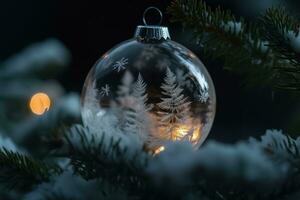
[152, 33]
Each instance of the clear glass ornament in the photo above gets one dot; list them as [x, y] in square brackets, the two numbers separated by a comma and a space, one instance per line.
[152, 88]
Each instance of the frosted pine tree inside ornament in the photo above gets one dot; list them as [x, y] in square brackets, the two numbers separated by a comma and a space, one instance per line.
[152, 89]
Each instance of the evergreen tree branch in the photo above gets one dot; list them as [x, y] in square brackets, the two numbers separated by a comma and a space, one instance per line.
[240, 45]
[281, 30]
[258, 170]
[22, 172]
[284, 149]
[105, 158]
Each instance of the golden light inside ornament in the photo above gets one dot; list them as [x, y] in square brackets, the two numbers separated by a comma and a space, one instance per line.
[188, 132]
[39, 103]
[159, 150]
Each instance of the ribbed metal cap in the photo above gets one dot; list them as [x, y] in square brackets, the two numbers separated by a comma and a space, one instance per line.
[152, 33]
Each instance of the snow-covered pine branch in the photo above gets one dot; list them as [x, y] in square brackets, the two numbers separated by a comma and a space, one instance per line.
[280, 145]
[7, 143]
[262, 52]
[241, 167]
[100, 154]
[44, 58]
[22, 172]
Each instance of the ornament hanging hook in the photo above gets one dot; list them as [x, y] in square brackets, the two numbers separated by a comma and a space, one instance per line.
[155, 9]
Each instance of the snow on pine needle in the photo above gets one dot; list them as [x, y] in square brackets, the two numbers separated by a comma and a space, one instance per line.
[233, 27]
[294, 39]
[245, 163]
[40, 58]
[120, 64]
[106, 140]
[66, 186]
[279, 144]
[7, 143]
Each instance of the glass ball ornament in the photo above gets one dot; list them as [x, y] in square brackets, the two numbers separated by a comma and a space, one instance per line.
[152, 88]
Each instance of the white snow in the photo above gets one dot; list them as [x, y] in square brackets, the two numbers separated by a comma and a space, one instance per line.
[14, 89]
[7, 143]
[264, 46]
[68, 186]
[277, 142]
[294, 40]
[226, 162]
[70, 105]
[240, 160]
[50, 55]
[174, 162]
[110, 135]
[259, 44]
[233, 27]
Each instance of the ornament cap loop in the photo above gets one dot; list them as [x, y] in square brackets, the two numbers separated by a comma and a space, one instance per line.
[155, 9]
[152, 33]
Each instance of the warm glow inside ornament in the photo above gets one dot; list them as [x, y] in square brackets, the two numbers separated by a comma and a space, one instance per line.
[150, 87]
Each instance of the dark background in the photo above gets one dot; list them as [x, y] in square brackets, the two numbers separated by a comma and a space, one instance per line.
[90, 28]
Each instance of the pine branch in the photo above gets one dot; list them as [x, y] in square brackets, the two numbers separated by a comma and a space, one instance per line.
[277, 23]
[280, 30]
[284, 149]
[240, 45]
[98, 156]
[257, 170]
[22, 172]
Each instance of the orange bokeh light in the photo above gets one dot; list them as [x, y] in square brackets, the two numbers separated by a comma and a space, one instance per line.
[39, 103]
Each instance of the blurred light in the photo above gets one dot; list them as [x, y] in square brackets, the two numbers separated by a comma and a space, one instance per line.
[159, 149]
[40, 103]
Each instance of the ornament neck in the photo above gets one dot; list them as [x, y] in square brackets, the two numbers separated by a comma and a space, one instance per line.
[149, 34]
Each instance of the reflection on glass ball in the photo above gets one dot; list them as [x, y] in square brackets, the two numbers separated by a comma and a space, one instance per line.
[158, 92]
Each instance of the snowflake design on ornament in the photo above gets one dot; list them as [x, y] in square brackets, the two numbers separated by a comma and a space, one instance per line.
[203, 96]
[120, 64]
[104, 91]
